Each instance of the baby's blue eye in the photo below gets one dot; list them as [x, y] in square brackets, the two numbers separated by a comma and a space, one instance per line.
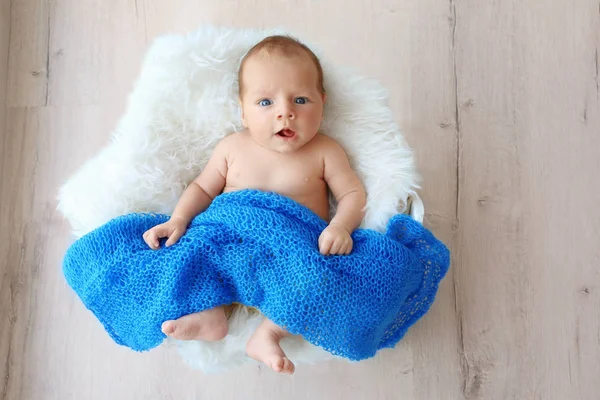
[300, 100]
[265, 102]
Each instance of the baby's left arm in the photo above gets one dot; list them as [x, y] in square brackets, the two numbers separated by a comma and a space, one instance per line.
[350, 196]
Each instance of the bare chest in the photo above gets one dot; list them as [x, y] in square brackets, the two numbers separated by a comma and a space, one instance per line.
[298, 175]
[295, 177]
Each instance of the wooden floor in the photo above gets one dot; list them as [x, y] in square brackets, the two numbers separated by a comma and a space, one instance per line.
[501, 102]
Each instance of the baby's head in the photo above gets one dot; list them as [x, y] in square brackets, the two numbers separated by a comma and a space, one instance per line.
[281, 93]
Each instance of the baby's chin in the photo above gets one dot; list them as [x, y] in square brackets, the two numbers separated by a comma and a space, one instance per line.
[284, 147]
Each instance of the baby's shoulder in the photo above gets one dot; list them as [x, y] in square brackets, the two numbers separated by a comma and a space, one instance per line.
[230, 143]
[230, 140]
[328, 146]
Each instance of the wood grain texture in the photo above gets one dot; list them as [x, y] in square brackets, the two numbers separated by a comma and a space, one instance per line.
[526, 245]
[28, 65]
[501, 103]
[5, 296]
[4, 45]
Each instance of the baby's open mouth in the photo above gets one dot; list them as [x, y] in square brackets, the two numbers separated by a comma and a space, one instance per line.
[286, 133]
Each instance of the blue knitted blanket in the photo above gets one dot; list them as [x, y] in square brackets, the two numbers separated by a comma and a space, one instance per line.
[260, 249]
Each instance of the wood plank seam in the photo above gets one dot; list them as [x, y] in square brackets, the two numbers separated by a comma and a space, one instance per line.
[464, 362]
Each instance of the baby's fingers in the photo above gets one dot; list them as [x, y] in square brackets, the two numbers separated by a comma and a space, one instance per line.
[336, 247]
[151, 239]
[325, 244]
[174, 237]
[345, 247]
[348, 248]
[153, 235]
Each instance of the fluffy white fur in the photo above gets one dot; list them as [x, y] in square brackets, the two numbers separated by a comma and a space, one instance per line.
[184, 102]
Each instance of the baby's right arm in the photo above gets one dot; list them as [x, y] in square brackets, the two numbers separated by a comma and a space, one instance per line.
[195, 199]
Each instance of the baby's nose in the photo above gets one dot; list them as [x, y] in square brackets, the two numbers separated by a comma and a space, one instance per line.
[286, 112]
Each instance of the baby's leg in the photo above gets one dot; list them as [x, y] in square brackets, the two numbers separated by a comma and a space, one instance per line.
[208, 325]
[264, 346]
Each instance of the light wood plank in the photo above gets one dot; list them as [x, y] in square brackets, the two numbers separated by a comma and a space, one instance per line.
[4, 45]
[97, 47]
[428, 119]
[527, 212]
[17, 250]
[5, 295]
[28, 67]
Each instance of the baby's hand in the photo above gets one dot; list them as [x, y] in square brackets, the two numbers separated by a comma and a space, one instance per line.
[335, 239]
[174, 228]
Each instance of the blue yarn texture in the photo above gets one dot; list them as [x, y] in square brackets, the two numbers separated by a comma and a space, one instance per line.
[260, 249]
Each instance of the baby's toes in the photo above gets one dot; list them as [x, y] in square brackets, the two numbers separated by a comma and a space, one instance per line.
[277, 363]
[288, 366]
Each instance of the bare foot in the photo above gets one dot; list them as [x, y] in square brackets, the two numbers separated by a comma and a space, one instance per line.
[264, 346]
[208, 325]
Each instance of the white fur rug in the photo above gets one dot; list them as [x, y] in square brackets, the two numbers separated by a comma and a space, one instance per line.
[183, 103]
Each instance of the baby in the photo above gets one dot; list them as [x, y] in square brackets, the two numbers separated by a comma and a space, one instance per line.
[280, 150]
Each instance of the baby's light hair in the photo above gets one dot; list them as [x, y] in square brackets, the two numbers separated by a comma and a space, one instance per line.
[287, 46]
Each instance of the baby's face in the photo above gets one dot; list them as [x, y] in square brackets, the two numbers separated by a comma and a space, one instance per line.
[281, 104]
